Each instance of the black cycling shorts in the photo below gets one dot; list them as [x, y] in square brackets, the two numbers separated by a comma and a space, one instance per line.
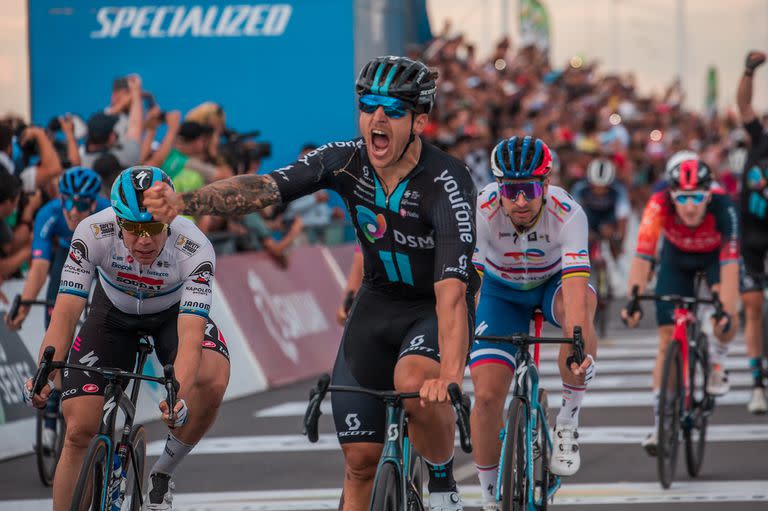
[380, 331]
[596, 219]
[754, 248]
[109, 338]
[677, 275]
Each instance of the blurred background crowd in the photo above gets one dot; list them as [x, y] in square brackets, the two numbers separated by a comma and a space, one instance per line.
[580, 111]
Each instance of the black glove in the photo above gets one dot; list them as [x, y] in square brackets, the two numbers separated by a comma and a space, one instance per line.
[754, 60]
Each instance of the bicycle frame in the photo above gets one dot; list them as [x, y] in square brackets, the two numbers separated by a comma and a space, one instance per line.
[683, 318]
[397, 446]
[525, 385]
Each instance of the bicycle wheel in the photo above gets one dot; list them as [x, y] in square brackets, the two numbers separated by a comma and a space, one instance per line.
[90, 491]
[541, 456]
[697, 413]
[386, 494]
[514, 485]
[47, 458]
[601, 314]
[669, 414]
[415, 486]
[138, 439]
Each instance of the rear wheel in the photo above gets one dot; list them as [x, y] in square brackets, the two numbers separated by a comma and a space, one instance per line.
[90, 491]
[138, 439]
[669, 414]
[697, 413]
[386, 491]
[514, 487]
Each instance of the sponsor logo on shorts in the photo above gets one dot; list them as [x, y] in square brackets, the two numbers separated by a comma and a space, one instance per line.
[68, 392]
[186, 245]
[209, 344]
[90, 388]
[353, 427]
[417, 345]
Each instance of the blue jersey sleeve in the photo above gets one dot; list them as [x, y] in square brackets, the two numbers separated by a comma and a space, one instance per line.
[44, 230]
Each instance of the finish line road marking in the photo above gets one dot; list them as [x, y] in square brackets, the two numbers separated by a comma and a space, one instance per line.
[328, 442]
[591, 400]
[569, 494]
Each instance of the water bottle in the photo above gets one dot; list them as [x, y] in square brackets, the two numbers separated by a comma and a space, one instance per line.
[117, 487]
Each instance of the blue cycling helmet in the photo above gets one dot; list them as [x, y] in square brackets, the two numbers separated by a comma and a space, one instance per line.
[128, 192]
[521, 158]
[80, 182]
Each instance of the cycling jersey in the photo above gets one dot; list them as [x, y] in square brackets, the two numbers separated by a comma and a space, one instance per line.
[181, 273]
[522, 261]
[718, 231]
[754, 185]
[604, 208]
[423, 232]
[51, 227]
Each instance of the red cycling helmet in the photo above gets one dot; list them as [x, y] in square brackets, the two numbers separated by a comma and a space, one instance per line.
[690, 175]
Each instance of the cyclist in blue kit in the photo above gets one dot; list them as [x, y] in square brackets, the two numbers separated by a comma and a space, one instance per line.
[413, 207]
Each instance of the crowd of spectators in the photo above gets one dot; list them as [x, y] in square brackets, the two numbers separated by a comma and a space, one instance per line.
[578, 110]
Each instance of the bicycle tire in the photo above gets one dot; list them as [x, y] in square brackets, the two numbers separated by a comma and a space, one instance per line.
[602, 314]
[541, 468]
[697, 413]
[386, 495]
[669, 415]
[415, 486]
[138, 439]
[90, 491]
[514, 485]
[46, 459]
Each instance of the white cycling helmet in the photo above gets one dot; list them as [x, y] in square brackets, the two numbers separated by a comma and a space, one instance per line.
[677, 158]
[601, 172]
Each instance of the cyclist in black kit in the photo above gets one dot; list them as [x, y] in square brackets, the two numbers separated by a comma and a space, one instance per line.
[411, 323]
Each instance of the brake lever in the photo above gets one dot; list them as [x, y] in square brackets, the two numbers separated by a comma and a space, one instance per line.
[171, 388]
[462, 419]
[578, 348]
[312, 415]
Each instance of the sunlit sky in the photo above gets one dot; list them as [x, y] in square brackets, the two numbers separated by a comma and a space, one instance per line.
[625, 35]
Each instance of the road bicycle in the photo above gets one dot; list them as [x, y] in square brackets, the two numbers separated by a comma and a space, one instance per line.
[102, 482]
[525, 482]
[398, 484]
[684, 403]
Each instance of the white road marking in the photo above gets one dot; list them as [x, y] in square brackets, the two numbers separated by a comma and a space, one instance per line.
[569, 494]
[631, 399]
[328, 442]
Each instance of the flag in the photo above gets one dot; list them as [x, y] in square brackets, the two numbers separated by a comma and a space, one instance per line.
[534, 24]
[711, 106]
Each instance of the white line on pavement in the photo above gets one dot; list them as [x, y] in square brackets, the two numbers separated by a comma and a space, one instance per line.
[569, 494]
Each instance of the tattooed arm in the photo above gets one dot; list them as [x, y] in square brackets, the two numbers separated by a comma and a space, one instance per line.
[234, 196]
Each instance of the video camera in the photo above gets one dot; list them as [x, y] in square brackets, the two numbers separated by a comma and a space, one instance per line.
[241, 151]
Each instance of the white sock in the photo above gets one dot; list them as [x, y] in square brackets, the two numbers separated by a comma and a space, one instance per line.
[718, 352]
[573, 395]
[488, 477]
[656, 395]
[173, 453]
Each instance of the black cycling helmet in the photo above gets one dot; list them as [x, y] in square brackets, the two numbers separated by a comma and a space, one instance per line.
[399, 77]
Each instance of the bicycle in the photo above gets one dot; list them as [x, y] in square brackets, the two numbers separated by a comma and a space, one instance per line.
[684, 403]
[525, 482]
[602, 286]
[47, 458]
[99, 481]
[398, 484]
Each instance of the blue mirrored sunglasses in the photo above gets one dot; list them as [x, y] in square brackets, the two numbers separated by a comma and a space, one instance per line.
[81, 204]
[682, 198]
[393, 107]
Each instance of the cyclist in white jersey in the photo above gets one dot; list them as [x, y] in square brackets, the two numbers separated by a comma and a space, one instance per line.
[532, 253]
[153, 279]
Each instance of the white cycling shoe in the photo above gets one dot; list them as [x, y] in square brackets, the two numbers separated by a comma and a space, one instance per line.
[651, 443]
[159, 493]
[565, 459]
[445, 501]
[491, 506]
[758, 404]
[718, 385]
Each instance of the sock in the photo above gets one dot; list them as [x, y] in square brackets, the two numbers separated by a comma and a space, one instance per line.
[173, 453]
[52, 407]
[717, 352]
[756, 366]
[572, 397]
[656, 395]
[441, 476]
[488, 477]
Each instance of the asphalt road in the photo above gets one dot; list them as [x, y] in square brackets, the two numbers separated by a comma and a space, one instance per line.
[255, 458]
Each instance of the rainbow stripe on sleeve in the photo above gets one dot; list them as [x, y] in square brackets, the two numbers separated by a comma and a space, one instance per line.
[575, 271]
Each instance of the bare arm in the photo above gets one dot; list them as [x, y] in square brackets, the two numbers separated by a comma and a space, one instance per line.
[191, 330]
[172, 123]
[452, 328]
[744, 99]
[61, 331]
[12, 263]
[136, 111]
[73, 155]
[729, 296]
[237, 195]
[38, 271]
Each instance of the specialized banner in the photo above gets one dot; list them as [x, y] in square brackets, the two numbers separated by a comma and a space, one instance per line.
[287, 316]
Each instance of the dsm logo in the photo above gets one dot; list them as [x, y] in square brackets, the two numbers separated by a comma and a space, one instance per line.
[373, 226]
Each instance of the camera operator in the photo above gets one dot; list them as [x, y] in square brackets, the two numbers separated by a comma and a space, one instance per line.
[103, 139]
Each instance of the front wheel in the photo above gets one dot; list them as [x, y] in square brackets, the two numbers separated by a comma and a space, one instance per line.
[386, 494]
[514, 485]
[138, 439]
[48, 456]
[541, 455]
[697, 412]
[415, 487]
[669, 414]
[91, 489]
